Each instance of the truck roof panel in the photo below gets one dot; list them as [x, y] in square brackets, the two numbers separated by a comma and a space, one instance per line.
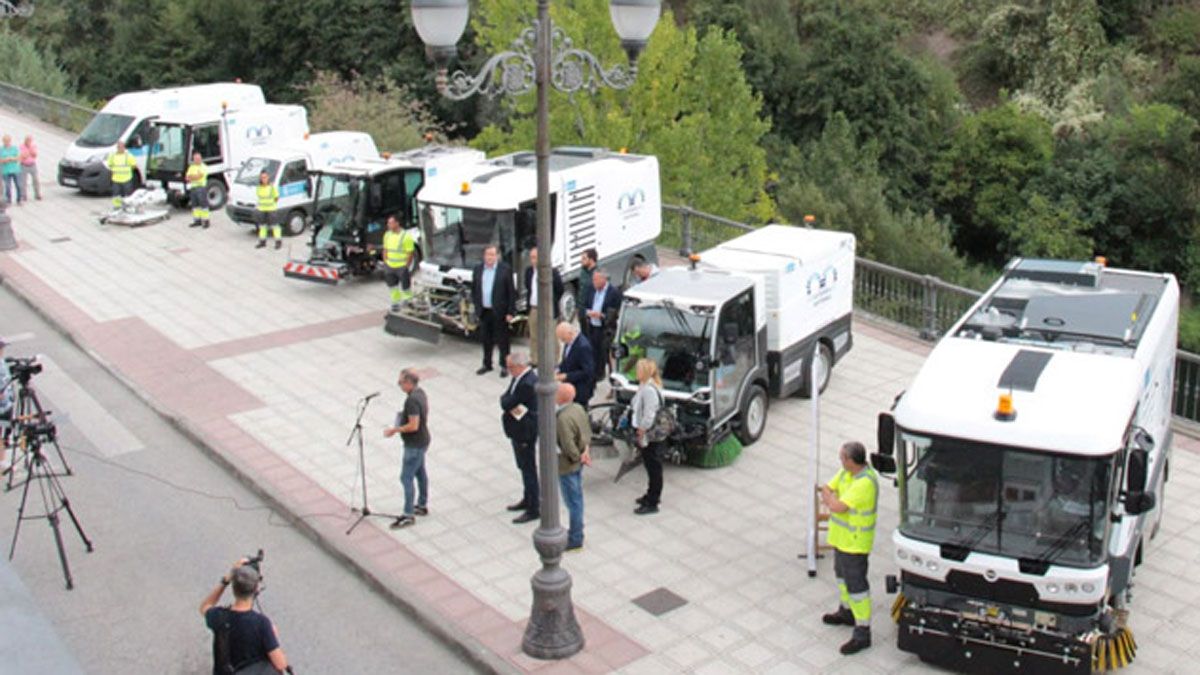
[690, 287]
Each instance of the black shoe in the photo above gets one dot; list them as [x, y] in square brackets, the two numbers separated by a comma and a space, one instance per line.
[526, 517]
[484, 369]
[646, 509]
[195, 223]
[420, 511]
[278, 244]
[205, 225]
[402, 521]
[640, 500]
[855, 645]
[842, 617]
[261, 244]
[519, 506]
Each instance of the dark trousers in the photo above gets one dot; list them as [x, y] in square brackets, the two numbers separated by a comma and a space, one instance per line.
[654, 473]
[525, 452]
[493, 330]
[598, 337]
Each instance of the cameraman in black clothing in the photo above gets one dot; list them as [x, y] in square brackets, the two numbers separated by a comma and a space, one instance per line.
[244, 641]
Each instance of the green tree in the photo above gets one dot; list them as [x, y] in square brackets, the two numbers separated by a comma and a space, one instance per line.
[982, 175]
[690, 106]
[22, 63]
[394, 118]
[1182, 87]
[1048, 228]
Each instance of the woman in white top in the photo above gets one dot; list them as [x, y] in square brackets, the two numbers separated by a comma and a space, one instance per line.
[643, 410]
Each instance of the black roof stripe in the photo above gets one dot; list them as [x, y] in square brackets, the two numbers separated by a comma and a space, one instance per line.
[1024, 370]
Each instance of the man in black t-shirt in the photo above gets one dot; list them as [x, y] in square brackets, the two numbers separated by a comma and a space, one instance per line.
[412, 425]
[243, 640]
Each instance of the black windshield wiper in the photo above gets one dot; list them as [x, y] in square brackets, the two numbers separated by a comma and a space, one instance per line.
[677, 317]
[982, 530]
[1057, 546]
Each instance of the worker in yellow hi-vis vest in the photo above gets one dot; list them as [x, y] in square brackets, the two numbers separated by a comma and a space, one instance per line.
[399, 250]
[852, 497]
[268, 203]
[121, 164]
[197, 187]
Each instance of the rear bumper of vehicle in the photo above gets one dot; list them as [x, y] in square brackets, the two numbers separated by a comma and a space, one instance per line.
[329, 273]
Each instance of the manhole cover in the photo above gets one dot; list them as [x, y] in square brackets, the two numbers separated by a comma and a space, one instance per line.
[659, 601]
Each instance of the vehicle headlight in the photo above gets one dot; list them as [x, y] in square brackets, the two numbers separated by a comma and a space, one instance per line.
[99, 157]
[916, 560]
[931, 565]
[901, 554]
[1052, 588]
[1070, 588]
[1089, 588]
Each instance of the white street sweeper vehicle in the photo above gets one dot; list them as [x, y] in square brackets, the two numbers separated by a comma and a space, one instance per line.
[1031, 453]
[599, 199]
[744, 323]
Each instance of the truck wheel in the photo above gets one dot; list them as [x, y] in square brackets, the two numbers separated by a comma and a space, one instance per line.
[824, 370]
[753, 417]
[566, 304]
[216, 195]
[296, 222]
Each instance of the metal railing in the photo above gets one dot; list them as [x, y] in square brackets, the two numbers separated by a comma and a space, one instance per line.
[56, 111]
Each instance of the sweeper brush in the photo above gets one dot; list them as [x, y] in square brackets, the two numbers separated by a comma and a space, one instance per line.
[1110, 652]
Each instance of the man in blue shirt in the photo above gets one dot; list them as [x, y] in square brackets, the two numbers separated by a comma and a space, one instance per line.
[494, 297]
[598, 318]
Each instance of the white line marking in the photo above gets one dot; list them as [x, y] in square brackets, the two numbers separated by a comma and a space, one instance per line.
[64, 397]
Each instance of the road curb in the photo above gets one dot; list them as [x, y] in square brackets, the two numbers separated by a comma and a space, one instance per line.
[405, 599]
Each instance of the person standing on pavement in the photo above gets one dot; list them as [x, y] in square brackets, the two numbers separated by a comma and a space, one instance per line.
[268, 203]
[587, 264]
[29, 174]
[531, 301]
[852, 496]
[574, 432]
[519, 419]
[10, 158]
[242, 637]
[643, 411]
[412, 424]
[197, 187]
[578, 365]
[398, 258]
[121, 164]
[598, 318]
[494, 298]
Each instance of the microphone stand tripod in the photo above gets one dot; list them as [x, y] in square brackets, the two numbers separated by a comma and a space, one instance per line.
[356, 433]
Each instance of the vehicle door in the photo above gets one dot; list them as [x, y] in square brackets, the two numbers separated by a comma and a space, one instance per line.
[386, 199]
[736, 353]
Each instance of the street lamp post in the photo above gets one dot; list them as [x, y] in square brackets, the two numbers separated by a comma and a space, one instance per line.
[543, 56]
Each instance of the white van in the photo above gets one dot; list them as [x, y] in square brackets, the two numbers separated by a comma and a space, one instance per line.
[290, 168]
[127, 118]
[225, 141]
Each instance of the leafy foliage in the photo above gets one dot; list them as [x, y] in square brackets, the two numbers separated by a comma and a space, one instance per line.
[23, 64]
[394, 118]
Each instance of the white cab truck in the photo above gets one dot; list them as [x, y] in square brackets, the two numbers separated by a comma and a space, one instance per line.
[598, 199]
[353, 202]
[127, 117]
[1030, 454]
[224, 138]
[742, 324]
[289, 168]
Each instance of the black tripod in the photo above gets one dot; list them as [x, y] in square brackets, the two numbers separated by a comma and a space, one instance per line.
[356, 432]
[54, 498]
[29, 413]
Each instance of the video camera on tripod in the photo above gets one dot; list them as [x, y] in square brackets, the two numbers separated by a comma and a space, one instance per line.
[23, 369]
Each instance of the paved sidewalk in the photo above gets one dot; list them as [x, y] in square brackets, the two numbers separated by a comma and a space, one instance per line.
[266, 371]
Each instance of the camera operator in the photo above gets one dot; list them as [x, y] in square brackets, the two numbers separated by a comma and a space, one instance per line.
[244, 641]
[6, 409]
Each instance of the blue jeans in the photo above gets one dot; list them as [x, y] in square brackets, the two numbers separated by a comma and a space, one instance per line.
[414, 467]
[13, 190]
[571, 485]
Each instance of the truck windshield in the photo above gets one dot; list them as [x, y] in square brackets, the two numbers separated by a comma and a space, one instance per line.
[1016, 503]
[248, 175]
[169, 149]
[104, 129]
[336, 201]
[674, 338]
[457, 237]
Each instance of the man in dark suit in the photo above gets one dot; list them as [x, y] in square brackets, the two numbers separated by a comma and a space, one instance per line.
[531, 301]
[494, 298]
[598, 317]
[519, 418]
[578, 366]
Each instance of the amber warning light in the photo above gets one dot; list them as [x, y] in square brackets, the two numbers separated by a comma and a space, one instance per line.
[1005, 412]
[466, 188]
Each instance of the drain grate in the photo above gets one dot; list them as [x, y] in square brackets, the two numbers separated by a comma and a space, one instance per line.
[59, 240]
[659, 601]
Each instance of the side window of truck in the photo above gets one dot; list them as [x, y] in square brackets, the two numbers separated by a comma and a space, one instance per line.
[294, 172]
[207, 142]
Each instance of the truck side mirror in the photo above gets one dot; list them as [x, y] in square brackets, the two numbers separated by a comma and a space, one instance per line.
[885, 434]
[885, 464]
[1137, 500]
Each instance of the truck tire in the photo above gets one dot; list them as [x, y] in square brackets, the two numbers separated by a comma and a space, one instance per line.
[566, 304]
[296, 222]
[824, 371]
[752, 419]
[217, 195]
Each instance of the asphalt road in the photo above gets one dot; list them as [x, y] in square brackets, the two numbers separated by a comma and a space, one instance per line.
[166, 523]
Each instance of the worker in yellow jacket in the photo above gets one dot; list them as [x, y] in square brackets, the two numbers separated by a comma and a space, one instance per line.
[121, 164]
[268, 204]
[197, 187]
[852, 497]
[399, 253]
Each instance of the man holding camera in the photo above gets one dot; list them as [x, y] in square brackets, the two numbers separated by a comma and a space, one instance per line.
[6, 409]
[244, 641]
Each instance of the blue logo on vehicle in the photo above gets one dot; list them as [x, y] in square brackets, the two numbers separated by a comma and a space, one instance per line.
[631, 199]
[262, 131]
[820, 281]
